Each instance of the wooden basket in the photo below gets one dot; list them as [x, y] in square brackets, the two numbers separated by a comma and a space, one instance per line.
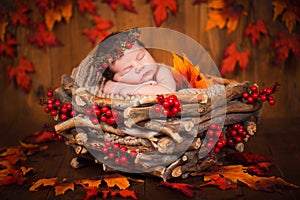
[163, 146]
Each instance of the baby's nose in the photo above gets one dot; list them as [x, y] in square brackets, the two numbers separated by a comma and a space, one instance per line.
[138, 69]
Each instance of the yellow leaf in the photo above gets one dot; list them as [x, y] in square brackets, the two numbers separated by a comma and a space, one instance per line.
[52, 16]
[88, 182]
[117, 180]
[290, 19]
[25, 170]
[43, 182]
[66, 11]
[3, 25]
[61, 189]
[9, 151]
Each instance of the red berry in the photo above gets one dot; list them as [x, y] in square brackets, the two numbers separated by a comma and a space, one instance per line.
[57, 103]
[111, 121]
[253, 88]
[245, 95]
[271, 102]
[95, 107]
[105, 64]
[219, 144]
[107, 143]
[236, 126]
[269, 91]
[128, 45]
[123, 159]
[123, 149]
[63, 117]
[238, 139]
[49, 94]
[64, 110]
[73, 113]
[174, 111]
[213, 126]
[53, 135]
[263, 97]
[53, 112]
[108, 113]
[115, 113]
[103, 119]
[240, 130]
[160, 99]
[104, 109]
[157, 108]
[250, 100]
[95, 120]
[244, 134]
[210, 145]
[105, 150]
[255, 95]
[88, 111]
[176, 103]
[233, 133]
[221, 135]
[171, 101]
[69, 106]
[50, 101]
[59, 137]
[223, 141]
[174, 97]
[261, 91]
[210, 133]
[270, 97]
[97, 112]
[217, 150]
[111, 155]
[50, 106]
[116, 146]
[133, 153]
[64, 105]
[166, 104]
[219, 127]
[230, 142]
[47, 109]
[165, 112]
[117, 161]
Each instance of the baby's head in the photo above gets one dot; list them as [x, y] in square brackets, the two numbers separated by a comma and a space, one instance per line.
[124, 58]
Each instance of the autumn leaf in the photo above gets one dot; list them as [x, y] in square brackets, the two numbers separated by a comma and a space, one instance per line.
[13, 154]
[42, 37]
[160, 10]
[8, 46]
[98, 32]
[32, 148]
[43, 182]
[237, 173]
[42, 5]
[39, 137]
[117, 180]
[9, 174]
[255, 31]
[188, 73]
[186, 189]
[224, 13]
[233, 57]
[124, 194]
[60, 10]
[3, 25]
[259, 168]
[20, 73]
[25, 170]
[126, 4]
[284, 44]
[62, 188]
[221, 182]
[87, 5]
[289, 12]
[88, 182]
[94, 192]
[20, 16]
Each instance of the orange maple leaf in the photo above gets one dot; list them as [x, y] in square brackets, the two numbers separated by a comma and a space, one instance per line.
[87, 5]
[62, 9]
[224, 13]
[233, 57]
[160, 10]
[126, 4]
[88, 182]
[63, 187]
[7, 47]
[255, 30]
[98, 32]
[237, 173]
[117, 180]
[221, 182]
[289, 12]
[20, 73]
[188, 73]
[284, 44]
[43, 182]
[8, 173]
[20, 16]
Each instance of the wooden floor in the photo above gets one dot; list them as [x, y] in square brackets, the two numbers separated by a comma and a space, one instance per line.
[277, 139]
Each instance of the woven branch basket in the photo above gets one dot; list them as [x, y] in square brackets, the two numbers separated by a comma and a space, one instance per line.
[146, 141]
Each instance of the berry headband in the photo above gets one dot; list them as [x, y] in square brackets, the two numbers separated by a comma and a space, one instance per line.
[113, 47]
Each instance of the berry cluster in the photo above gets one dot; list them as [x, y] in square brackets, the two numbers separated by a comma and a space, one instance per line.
[168, 106]
[119, 155]
[215, 138]
[105, 114]
[64, 111]
[262, 95]
[235, 134]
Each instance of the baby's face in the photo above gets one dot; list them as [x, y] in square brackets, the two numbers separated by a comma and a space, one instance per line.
[135, 66]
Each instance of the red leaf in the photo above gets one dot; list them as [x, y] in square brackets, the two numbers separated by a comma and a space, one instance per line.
[232, 57]
[42, 5]
[160, 10]
[87, 5]
[259, 168]
[98, 32]
[221, 182]
[94, 192]
[8, 173]
[126, 4]
[284, 44]
[186, 189]
[247, 158]
[8, 47]
[254, 30]
[124, 194]
[42, 37]
[20, 16]
[39, 137]
[20, 73]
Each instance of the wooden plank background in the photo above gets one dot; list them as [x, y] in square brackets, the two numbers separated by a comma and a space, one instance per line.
[20, 109]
